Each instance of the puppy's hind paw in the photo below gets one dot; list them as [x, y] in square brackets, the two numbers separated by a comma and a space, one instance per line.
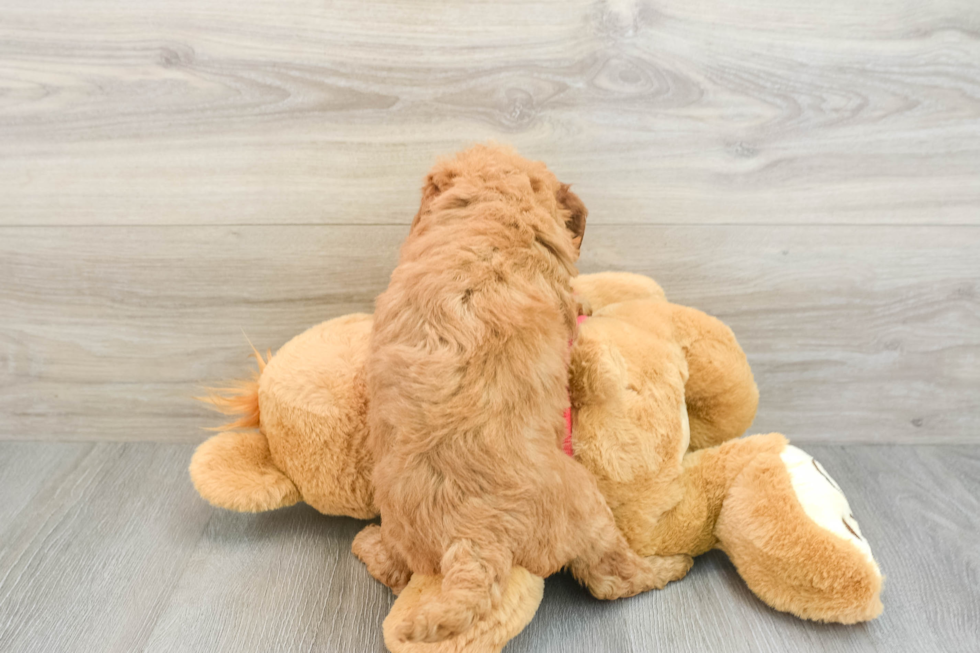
[429, 623]
[383, 564]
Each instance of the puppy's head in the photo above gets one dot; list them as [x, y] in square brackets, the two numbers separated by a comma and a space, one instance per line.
[490, 172]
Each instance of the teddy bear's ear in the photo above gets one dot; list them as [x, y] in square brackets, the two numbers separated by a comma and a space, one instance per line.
[576, 213]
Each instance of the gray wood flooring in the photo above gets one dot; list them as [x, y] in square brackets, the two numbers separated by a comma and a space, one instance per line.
[106, 547]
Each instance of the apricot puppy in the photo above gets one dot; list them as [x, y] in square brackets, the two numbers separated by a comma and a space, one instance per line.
[467, 378]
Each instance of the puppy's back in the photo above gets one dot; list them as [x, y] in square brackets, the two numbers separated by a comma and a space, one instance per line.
[470, 336]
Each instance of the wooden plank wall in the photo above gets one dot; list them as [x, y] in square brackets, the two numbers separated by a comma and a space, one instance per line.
[173, 173]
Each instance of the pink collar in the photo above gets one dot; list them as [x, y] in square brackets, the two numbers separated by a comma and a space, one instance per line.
[566, 444]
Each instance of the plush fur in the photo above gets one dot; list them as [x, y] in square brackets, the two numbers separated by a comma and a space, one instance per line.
[631, 364]
[766, 532]
[236, 470]
[310, 391]
[660, 391]
[467, 377]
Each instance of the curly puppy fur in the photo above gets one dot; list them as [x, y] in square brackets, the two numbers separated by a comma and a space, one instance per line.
[467, 376]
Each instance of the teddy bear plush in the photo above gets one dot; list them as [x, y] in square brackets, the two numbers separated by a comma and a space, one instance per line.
[659, 394]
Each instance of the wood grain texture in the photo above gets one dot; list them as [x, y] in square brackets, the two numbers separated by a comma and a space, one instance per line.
[246, 111]
[856, 334]
[113, 551]
[284, 581]
[88, 561]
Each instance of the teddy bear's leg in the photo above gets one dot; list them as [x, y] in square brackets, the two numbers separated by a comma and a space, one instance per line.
[235, 471]
[788, 529]
[720, 391]
[700, 490]
[520, 599]
[381, 560]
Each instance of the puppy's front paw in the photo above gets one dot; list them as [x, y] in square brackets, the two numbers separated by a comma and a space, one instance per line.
[367, 544]
[669, 568]
[386, 567]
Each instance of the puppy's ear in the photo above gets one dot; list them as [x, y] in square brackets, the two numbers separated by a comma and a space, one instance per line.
[436, 182]
[577, 213]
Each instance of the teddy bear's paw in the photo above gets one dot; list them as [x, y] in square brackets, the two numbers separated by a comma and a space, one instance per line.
[787, 527]
[823, 500]
[235, 471]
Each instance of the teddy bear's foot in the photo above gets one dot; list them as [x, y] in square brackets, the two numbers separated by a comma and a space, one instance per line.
[788, 529]
[521, 597]
[386, 566]
[235, 471]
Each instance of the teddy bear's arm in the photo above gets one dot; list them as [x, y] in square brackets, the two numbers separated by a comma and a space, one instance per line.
[599, 290]
[721, 393]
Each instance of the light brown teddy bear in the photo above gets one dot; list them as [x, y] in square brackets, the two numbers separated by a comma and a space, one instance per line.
[658, 392]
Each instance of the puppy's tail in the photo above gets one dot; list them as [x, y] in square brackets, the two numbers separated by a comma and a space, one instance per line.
[472, 585]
